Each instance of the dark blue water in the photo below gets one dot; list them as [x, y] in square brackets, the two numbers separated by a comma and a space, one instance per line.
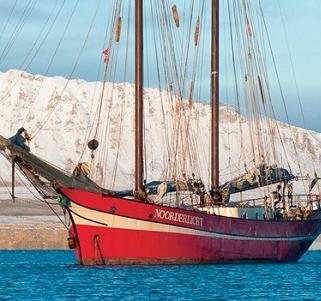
[53, 275]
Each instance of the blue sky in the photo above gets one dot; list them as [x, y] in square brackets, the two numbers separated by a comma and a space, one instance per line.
[302, 22]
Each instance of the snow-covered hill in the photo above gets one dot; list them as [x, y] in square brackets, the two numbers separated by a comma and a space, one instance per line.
[63, 111]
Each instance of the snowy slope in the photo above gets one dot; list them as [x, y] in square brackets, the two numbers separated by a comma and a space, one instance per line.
[30, 100]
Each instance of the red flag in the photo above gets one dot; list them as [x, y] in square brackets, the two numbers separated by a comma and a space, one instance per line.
[106, 53]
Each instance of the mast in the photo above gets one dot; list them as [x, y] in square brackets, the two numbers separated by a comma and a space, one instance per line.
[138, 95]
[215, 96]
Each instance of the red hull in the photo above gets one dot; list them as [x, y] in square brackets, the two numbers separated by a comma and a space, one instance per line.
[112, 230]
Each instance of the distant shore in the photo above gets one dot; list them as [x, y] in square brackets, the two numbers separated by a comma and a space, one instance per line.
[31, 225]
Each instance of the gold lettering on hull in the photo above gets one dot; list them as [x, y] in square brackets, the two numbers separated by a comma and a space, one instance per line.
[178, 217]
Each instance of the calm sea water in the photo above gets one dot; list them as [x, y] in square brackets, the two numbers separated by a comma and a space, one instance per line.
[53, 275]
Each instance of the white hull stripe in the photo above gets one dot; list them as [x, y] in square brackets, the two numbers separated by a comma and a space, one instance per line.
[90, 217]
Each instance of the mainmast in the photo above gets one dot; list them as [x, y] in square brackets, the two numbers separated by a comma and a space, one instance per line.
[138, 95]
[215, 96]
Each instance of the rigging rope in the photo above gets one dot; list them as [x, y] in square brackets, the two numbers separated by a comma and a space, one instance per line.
[8, 19]
[279, 83]
[50, 112]
[10, 85]
[17, 30]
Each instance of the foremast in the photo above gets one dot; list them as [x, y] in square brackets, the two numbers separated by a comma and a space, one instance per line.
[139, 68]
[215, 96]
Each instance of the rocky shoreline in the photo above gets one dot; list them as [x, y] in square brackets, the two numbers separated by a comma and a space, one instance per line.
[31, 225]
[33, 237]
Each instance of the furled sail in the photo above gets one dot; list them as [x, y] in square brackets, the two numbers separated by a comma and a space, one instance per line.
[259, 176]
[172, 186]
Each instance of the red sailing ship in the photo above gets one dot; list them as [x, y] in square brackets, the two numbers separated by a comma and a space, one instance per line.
[110, 228]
